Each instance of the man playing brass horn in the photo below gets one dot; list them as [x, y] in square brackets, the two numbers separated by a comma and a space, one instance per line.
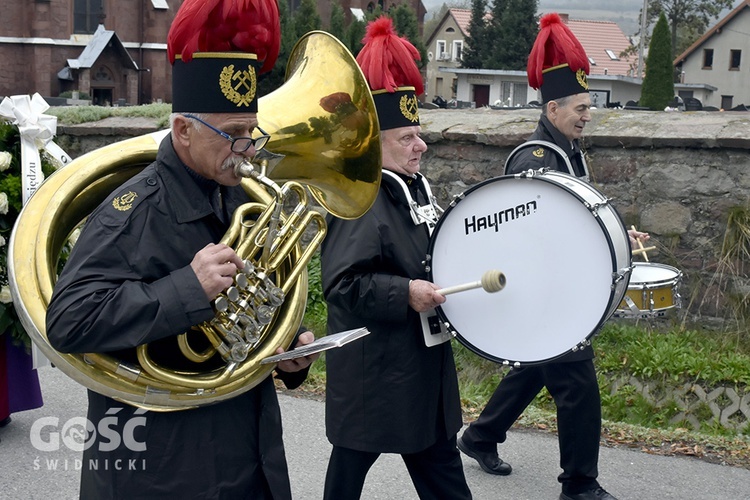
[147, 267]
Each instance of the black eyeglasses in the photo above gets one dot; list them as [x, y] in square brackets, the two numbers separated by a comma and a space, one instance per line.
[239, 144]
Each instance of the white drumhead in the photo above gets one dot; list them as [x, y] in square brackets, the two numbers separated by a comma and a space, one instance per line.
[652, 272]
[557, 259]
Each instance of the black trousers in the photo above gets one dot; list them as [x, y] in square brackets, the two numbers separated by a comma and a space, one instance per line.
[437, 472]
[574, 387]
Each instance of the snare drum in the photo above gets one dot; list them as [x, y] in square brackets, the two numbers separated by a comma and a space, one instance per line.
[565, 254]
[651, 292]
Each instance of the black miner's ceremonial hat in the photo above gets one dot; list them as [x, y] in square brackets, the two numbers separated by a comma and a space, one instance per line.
[387, 61]
[557, 64]
[215, 82]
[217, 49]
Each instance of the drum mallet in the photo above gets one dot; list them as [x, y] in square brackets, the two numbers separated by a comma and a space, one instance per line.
[641, 248]
[492, 281]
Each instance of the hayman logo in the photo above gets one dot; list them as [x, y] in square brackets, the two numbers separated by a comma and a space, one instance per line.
[79, 433]
[494, 220]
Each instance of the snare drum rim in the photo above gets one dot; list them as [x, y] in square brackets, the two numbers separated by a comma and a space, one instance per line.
[653, 285]
[615, 290]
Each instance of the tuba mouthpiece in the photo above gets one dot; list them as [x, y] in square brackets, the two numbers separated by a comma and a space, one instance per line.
[245, 169]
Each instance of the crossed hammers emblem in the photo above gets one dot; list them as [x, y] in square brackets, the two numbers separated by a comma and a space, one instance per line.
[238, 86]
[243, 77]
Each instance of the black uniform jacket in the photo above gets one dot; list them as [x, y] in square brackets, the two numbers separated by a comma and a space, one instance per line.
[128, 281]
[386, 392]
[536, 157]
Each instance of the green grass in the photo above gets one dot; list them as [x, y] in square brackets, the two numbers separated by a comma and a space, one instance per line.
[680, 356]
[669, 357]
[732, 268]
[664, 356]
[316, 318]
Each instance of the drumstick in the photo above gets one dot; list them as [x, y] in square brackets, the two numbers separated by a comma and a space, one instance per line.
[640, 245]
[492, 281]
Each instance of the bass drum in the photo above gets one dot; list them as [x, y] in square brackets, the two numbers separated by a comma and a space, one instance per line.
[563, 249]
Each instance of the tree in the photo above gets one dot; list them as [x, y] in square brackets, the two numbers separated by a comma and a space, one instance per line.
[658, 84]
[306, 18]
[686, 36]
[275, 78]
[478, 40]
[686, 15]
[492, 55]
[405, 23]
[433, 23]
[337, 21]
[510, 34]
[355, 32]
[519, 26]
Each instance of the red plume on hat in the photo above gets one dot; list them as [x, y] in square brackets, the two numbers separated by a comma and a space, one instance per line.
[250, 26]
[387, 60]
[555, 45]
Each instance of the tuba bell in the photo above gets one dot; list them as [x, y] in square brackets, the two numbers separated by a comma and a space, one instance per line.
[325, 139]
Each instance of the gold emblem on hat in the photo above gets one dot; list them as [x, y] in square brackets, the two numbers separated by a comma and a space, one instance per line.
[583, 80]
[409, 108]
[125, 202]
[539, 152]
[238, 86]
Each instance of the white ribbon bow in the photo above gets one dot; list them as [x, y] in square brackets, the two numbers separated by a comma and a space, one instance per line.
[36, 130]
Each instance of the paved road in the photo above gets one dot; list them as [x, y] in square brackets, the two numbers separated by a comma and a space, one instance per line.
[27, 473]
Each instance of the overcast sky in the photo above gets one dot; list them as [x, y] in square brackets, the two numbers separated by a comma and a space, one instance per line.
[624, 12]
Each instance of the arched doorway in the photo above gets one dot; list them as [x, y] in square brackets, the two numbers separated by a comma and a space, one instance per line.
[102, 87]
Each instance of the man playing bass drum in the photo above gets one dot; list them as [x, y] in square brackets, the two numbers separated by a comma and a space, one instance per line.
[559, 67]
[389, 392]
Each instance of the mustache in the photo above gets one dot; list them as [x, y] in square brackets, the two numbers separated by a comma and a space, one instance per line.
[232, 162]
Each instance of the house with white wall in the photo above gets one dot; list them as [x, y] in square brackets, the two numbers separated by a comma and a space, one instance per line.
[504, 88]
[603, 41]
[719, 60]
[444, 49]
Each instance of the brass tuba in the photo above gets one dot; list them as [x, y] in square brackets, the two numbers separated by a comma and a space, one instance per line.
[325, 138]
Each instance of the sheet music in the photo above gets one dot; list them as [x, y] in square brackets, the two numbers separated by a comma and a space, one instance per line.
[321, 344]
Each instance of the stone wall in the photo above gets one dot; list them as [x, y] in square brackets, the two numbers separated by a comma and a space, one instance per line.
[77, 140]
[675, 175]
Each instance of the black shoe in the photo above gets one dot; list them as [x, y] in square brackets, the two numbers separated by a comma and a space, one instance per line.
[488, 460]
[5, 421]
[595, 494]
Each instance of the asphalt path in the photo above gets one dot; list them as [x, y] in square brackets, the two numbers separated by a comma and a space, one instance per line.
[28, 473]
